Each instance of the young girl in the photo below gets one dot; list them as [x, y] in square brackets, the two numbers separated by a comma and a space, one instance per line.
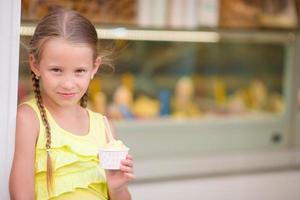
[57, 138]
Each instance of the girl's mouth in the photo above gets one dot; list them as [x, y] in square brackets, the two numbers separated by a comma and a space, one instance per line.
[66, 95]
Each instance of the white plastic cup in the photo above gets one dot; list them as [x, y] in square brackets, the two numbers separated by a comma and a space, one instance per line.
[111, 159]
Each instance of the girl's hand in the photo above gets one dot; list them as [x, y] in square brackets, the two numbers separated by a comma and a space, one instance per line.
[117, 179]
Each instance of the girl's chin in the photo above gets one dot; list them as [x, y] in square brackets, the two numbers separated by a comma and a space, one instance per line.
[67, 101]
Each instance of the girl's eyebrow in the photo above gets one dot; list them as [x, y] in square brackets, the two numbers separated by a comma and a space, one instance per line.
[79, 66]
[53, 66]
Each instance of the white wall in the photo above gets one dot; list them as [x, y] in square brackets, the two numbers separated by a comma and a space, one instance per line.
[9, 58]
[281, 185]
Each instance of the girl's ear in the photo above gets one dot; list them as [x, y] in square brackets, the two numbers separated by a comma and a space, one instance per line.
[96, 66]
[33, 65]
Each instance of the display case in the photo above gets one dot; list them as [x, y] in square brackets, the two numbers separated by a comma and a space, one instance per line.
[242, 92]
[193, 102]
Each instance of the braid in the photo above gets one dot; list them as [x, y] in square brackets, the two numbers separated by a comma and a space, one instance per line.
[38, 97]
[83, 100]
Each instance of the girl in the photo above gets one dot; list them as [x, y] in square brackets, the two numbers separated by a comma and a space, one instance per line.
[57, 138]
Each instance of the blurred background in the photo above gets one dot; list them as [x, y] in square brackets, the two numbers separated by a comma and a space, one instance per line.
[204, 92]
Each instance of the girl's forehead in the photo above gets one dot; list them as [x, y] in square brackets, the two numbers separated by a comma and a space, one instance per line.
[61, 49]
[59, 42]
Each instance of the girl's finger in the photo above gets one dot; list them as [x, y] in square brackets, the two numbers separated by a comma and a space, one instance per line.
[129, 157]
[126, 162]
[129, 176]
[126, 169]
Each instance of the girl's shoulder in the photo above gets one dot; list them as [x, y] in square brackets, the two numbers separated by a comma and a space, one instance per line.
[29, 111]
[96, 119]
[29, 104]
[94, 115]
[25, 110]
[27, 121]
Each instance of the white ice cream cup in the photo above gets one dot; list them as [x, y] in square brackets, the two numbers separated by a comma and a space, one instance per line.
[111, 159]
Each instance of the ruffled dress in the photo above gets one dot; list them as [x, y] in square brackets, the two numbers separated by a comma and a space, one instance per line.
[75, 162]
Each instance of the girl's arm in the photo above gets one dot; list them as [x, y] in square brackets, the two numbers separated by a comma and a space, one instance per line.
[21, 183]
[122, 194]
[118, 180]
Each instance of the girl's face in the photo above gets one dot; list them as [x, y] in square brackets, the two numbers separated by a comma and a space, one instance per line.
[65, 70]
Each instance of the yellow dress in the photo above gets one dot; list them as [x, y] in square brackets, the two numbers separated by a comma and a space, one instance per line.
[75, 161]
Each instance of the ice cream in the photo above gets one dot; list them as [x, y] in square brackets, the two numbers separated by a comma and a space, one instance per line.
[112, 153]
[115, 145]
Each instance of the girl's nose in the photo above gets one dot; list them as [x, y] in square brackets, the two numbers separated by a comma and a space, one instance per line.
[67, 83]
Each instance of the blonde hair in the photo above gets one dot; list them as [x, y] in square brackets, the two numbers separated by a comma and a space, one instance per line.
[75, 28]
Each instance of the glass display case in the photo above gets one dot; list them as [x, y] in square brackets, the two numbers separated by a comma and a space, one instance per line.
[196, 74]
[194, 101]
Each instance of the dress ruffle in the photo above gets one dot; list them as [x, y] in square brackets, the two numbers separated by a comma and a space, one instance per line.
[75, 165]
[71, 181]
[62, 156]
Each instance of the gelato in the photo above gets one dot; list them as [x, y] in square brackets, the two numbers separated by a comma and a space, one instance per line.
[114, 145]
[113, 152]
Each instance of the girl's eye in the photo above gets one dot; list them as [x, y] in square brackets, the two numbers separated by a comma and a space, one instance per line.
[56, 70]
[80, 71]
